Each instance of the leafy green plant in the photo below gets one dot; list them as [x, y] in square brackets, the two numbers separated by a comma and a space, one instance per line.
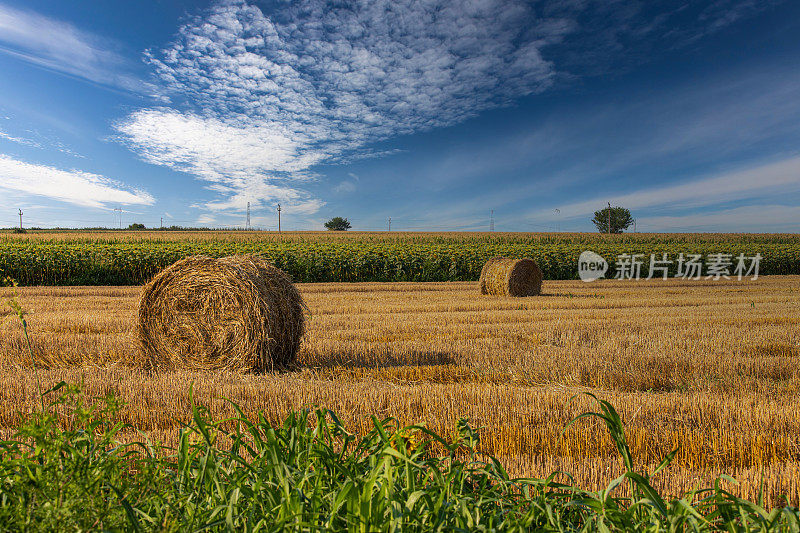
[338, 224]
[56, 479]
[67, 471]
[612, 219]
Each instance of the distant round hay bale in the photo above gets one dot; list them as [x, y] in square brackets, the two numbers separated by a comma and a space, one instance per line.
[505, 276]
[237, 313]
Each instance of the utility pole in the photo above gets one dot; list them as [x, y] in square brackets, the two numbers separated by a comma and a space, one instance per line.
[491, 220]
[247, 225]
[609, 217]
[20, 218]
[279, 218]
[390, 223]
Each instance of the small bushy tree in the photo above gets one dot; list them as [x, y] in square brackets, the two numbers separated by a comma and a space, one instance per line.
[338, 224]
[620, 219]
[136, 225]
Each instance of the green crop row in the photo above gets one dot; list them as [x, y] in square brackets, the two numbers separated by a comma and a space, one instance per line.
[40, 262]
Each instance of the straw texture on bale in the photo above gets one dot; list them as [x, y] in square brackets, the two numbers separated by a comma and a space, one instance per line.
[236, 313]
[505, 276]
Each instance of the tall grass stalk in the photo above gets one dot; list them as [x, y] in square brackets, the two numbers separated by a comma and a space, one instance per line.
[20, 313]
[310, 474]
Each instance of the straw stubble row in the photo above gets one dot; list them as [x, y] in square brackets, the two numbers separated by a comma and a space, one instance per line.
[708, 366]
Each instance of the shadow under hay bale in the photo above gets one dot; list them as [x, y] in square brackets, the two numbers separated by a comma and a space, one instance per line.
[505, 276]
[235, 313]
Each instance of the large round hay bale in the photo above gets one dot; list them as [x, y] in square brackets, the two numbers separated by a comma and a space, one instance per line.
[237, 312]
[504, 276]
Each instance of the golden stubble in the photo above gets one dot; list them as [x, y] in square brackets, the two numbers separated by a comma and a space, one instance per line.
[710, 367]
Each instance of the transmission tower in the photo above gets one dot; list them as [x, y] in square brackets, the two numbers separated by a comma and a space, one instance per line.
[20, 218]
[119, 209]
[279, 218]
[390, 223]
[491, 220]
[247, 224]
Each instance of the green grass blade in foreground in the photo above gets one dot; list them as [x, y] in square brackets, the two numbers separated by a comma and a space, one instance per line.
[308, 473]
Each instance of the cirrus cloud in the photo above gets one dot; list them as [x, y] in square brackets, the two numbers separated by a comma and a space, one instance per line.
[266, 96]
[61, 47]
[71, 186]
[262, 93]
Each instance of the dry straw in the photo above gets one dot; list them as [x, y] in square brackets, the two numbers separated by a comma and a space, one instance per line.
[237, 313]
[505, 276]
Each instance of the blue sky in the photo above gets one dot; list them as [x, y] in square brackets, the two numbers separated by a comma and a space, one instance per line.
[431, 113]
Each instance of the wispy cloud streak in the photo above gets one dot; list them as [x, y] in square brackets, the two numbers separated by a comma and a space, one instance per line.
[71, 186]
[19, 140]
[59, 46]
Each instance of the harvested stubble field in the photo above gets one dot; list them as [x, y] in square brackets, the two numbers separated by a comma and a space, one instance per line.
[709, 366]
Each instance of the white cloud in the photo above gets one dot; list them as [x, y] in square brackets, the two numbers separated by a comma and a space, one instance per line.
[265, 94]
[261, 193]
[268, 96]
[782, 177]
[19, 140]
[60, 46]
[72, 186]
[40, 143]
[348, 76]
[68, 151]
[211, 149]
[242, 164]
[345, 187]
